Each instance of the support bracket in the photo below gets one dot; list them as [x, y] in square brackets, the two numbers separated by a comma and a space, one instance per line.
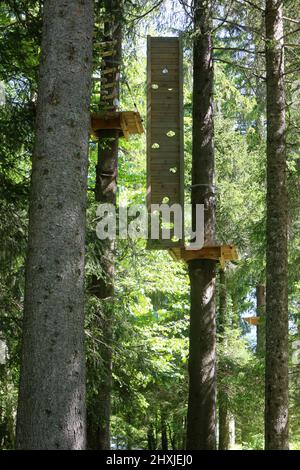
[220, 253]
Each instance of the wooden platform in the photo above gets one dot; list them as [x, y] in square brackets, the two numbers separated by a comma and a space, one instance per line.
[220, 253]
[252, 320]
[128, 122]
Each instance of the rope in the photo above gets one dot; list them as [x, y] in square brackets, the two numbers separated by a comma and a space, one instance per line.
[131, 94]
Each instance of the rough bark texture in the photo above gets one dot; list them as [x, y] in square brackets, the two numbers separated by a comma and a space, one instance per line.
[276, 402]
[224, 416]
[261, 313]
[51, 410]
[105, 192]
[201, 419]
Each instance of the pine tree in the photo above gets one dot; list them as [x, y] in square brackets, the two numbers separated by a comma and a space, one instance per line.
[276, 391]
[51, 409]
[201, 420]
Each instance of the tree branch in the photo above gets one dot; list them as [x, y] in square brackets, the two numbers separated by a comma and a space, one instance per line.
[140, 17]
[261, 77]
[237, 49]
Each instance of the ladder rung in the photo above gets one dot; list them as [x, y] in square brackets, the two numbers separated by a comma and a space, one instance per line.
[108, 43]
[98, 79]
[109, 97]
[112, 61]
[107, 71]
[108, 53]
[108, 85]
[105, 107]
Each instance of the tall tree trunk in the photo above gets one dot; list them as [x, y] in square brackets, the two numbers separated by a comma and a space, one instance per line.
[224, 416]
[276, 400]
[51, 409]
[201, 419]
[151, 438]
[164, 433]
[261, 313]
[105, 192]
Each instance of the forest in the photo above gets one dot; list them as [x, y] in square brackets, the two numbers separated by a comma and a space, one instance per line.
[119, 342]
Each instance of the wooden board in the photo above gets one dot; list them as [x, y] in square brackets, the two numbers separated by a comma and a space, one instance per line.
[220, 253]
[165, 114]
[128, 122]
[252, 320]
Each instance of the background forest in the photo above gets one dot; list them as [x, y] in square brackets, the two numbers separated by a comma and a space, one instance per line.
[151, 305]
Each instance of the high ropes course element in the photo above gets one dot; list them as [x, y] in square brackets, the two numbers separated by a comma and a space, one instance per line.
[110, 117]
[165, 146]
[165, 132]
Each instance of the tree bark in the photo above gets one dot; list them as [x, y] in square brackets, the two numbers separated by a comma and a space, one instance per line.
[51, 408]
[276, 398]
[151, 438]
[105, 192]
[164, 433]
[224, 416]
[261, 313]
[201, 418]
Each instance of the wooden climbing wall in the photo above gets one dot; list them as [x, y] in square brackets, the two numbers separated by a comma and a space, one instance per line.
[165, 170]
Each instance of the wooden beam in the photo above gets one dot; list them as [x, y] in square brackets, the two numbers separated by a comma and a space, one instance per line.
[220, 253]
[252, 320]
[129, 122]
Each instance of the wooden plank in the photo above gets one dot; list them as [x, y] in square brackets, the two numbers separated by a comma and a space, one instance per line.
[165, 145]
[166, 174]
[168, 123]
[165, 159]
[165, 169]
[164, 126]
[158, 98]
[165, 59]
[164, 51]
[160, 54]
[219, 253]
[158, 70]
[108, 53]
[163, 39]
[164, 85]
[157, 195]
[168, 116]
[119, 121]
[251, 320]
[171, 109]
[159, 78]
[170, 191]
[163, 94]
[165, 186]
